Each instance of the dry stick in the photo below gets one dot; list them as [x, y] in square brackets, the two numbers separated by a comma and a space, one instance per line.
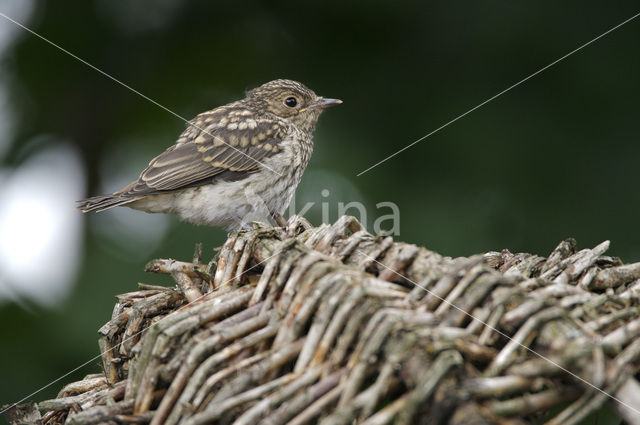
[351, 331]
[335, 232]
[499, 386]
[443, 286]
[91, 396]
[318, 407]
[318, 328]
[616, 276]
[367, 400]
[587, 278]
[101, 414]
[258, 411]
[368, 249]
[158, 339]
[475, 296]
[240, 254]
[625, 392]
[346, 309]
[298, 272]
[170, 266]
[296, 404]
[195, 395]
[230, 256]
[300, 308]
[378, 330]
[345, 249]
[384, 384]
[258, 372]
[287, 262]
[629, 392]
[315, 235]
[474, 352]
[196, 355]
[481, 315]
[401, 255]
[244, 259]
[529, 266]
[212, 371]
[386, 414]
[381, 289]
[492, 323]
[622, 335]
[530, 307]
[88, 383]
[573, 266]
[632, 292]
[610, 319]
[577, 410]
[472, 273]
[223, 260]
[530, 403]
[215, 412]
[266, 276]
[177, 360]
[427, 386]
[565, 249]
[591, 400]
[505, 357]
[186, 285]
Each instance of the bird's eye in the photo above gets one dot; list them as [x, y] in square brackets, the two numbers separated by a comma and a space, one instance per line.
[290, 102]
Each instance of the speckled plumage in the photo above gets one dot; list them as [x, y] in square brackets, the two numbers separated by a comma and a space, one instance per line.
[233, 165]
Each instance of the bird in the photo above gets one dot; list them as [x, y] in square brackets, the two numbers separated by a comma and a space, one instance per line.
[233, 165]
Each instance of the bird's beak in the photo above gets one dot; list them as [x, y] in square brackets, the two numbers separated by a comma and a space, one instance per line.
[321, 103]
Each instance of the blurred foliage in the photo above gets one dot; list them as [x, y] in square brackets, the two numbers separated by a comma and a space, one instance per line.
[552, 158]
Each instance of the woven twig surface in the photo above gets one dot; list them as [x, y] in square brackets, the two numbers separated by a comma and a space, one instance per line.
[336, 326]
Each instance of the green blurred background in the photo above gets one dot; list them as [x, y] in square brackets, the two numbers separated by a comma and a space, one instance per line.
[555, 157]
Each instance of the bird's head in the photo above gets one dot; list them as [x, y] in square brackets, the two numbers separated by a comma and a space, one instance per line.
[290, 100]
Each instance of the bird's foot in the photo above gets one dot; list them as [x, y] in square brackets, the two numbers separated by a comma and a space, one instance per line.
[294, 226]
[279, 219]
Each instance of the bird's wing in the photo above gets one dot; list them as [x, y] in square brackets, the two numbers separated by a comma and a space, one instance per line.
[200, 157]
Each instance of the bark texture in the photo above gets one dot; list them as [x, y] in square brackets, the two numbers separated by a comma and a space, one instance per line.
[332, 325]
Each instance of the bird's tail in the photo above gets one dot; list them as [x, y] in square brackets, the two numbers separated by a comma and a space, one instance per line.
[103, 202]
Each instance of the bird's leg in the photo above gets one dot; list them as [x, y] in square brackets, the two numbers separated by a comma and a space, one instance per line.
[279, 219]
[281, 225]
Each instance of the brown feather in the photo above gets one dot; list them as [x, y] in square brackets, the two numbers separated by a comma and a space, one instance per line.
[216, 155]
